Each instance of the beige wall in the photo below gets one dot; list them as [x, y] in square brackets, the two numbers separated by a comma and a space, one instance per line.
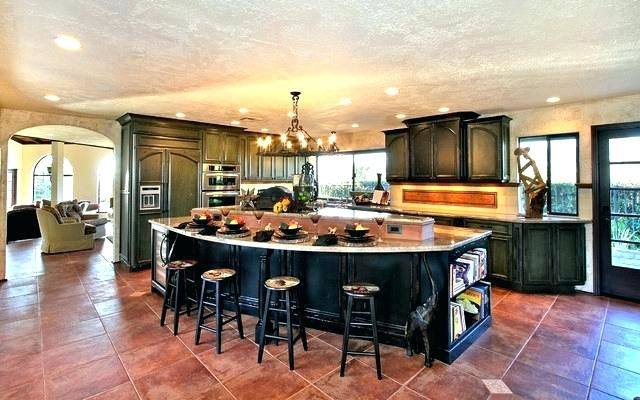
[83, 159]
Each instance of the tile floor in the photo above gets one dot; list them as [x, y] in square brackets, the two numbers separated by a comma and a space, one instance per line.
[72, 327]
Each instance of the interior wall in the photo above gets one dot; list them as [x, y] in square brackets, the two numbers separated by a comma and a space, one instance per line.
[84, 160]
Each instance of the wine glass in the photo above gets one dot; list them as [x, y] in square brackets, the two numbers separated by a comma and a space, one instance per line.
[225, 211]
[258, 214]
[379, 221]
[315, 217]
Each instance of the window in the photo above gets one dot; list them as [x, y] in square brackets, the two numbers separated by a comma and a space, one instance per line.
[42, 179]
[340, 174]
[557, 160]
[12, 187]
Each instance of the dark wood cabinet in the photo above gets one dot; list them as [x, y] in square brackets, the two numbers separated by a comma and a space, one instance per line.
[501, 260]
[488, 149]
[536, 254]
[213, 147]
[397, 148]
[267, 168]
[252, 168]
[447, 139]
[280, 167]
[226, 146]
[421, 151]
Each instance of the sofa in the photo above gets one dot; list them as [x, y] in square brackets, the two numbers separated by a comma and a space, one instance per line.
[74, 209]
[61, 234]
[22, 223]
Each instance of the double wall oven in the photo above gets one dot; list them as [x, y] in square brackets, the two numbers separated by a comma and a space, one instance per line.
[220, 184]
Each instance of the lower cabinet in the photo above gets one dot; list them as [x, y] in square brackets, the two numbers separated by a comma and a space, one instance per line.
[501, 259]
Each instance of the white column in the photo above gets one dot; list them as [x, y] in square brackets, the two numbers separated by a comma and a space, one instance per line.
[57, 172]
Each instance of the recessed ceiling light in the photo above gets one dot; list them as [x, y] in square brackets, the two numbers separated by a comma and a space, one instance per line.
[354, 125]
[400, 116]
[345, 101]
[443, 109]
[67, 42]
[392, 91]
[181, 115]
[243, 110]
[52, 97]
[265, 129]
[553, 99]
[235, 122]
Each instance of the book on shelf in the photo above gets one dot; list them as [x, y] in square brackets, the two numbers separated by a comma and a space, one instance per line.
[458, 323]
[474, 300]
[483, 261]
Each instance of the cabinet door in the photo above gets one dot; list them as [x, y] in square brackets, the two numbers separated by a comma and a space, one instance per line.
[213, 147]
[232, 149]
[397, 147]
[148, 165]
[484, 151]
[251, 160]
[569, 261]
[538, 255]
[446, 149]
[500, 257]
[421, 139]
[183, 177]
[280, 168]
[266, 170]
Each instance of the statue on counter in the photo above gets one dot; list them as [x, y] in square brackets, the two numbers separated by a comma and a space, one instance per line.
[535, 187]
[420, 319]
[247, 199]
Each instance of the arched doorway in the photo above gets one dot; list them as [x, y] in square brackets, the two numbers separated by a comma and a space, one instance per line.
[19, 122]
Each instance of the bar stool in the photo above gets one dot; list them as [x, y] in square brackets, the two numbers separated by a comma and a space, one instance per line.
[364, 292]
[175, 290]
[277, 285]
[213, 280]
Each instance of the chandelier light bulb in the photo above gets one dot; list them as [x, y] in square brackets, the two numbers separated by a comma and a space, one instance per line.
[283, 137]
[268, 140]
[289, 145]
[332, 138]
[319, 141]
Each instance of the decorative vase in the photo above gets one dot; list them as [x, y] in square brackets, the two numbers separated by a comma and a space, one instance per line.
[379, 184]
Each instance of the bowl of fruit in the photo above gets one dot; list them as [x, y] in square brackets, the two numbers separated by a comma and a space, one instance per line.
[202, 219]
[234, 223]
[356, 230]
[290, 228]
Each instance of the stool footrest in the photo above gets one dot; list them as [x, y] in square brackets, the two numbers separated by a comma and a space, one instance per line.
[283, 338]
[361, 337]
[360, 324]
[361, 312]
[360, 353]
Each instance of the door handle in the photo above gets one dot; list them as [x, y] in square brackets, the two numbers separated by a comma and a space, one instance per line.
[606, 213]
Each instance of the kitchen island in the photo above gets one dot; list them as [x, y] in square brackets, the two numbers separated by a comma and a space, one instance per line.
[399, 267]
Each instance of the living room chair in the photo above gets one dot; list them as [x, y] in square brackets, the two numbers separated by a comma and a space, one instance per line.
[59, 236]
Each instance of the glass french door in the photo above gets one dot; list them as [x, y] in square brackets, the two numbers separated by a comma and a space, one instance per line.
[619, 209]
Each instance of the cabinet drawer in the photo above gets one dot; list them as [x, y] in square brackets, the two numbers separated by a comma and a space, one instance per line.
[499, 228]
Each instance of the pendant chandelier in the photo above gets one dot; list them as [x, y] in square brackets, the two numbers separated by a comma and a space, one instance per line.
[296, 141]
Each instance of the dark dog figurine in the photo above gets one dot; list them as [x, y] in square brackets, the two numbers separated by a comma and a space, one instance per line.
[420, 319]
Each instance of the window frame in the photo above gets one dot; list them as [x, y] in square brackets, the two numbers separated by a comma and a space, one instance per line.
[13, 195]
[34, 174]
[353, 167]
[548, 138]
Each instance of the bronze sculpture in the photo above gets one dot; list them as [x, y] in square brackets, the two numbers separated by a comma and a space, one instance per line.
[420, 319]
[535, 187]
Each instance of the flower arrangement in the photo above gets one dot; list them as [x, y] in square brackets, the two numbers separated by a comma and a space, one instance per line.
[282, 205]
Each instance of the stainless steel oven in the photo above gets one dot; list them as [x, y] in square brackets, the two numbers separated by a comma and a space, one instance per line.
[220, 181]
[219, 199]
[229, 168]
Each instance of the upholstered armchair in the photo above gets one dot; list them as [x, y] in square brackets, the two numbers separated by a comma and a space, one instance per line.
[74, 209]
[60, 235]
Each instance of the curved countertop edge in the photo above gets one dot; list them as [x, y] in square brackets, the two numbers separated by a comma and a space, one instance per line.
[446, 239]
[552, 219]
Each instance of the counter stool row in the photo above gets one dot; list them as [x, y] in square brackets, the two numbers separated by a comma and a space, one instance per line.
[282, 297]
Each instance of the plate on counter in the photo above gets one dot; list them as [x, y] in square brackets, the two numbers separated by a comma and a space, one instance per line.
[235, 233]
[300, 237]
[353, 239]
[348, 241]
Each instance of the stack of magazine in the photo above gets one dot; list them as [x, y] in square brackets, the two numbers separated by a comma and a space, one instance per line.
[470, 306]
[468, 268]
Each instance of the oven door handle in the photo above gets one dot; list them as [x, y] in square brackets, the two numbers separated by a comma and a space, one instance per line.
[221, 194]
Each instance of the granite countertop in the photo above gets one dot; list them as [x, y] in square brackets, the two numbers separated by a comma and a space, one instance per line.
[487, 217]
[446, 238]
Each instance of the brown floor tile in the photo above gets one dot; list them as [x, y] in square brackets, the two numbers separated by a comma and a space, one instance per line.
[144, 360]
[120, 305]
[15, 282]
[18, 301]
[444, 382]
[595, 394]
[615, 381]
[186, 379]
[62, 292]
[504, 338]
[359, 381]
[269, 380]
[335, 340]
[510, 313]
[134, 337]
[207, 339]
[395, 362]
[498, 294]
[238, 356]
[318, 360]
[504, 396]
[93, 378]
[130, 319]
[583, 344]
[532, 383]
[482, 363]
[406, 394]
[74, 313]
[16, 370]
[75, 354]
[624, 314]
[19, 313]
[622, 336]
[620, 356]
[33, 390]
[310, 393]
[30, 344]
[125, 391]
[20, 328]
[568, 321]
[14, 291]
[60, 333]
[580, 307]
[558, 362]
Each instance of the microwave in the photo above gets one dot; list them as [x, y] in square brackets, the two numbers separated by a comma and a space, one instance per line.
[220, 181]
[219, 199]
[230, 168]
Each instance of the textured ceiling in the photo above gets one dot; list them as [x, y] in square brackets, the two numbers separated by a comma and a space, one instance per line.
[209, 58]
[67, 134]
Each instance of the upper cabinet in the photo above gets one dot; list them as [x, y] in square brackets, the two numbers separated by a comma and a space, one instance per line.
[223, 147]
[449, 147]
[488, 149]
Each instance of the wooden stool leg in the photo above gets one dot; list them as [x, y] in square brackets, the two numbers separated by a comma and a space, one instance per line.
[167, 297]
[263, 328]
[345, 336]
[372, 307]
[219, 309]
[200, 312]
[176, 302]
[236, 296]
[303, 331]
[289, 328]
